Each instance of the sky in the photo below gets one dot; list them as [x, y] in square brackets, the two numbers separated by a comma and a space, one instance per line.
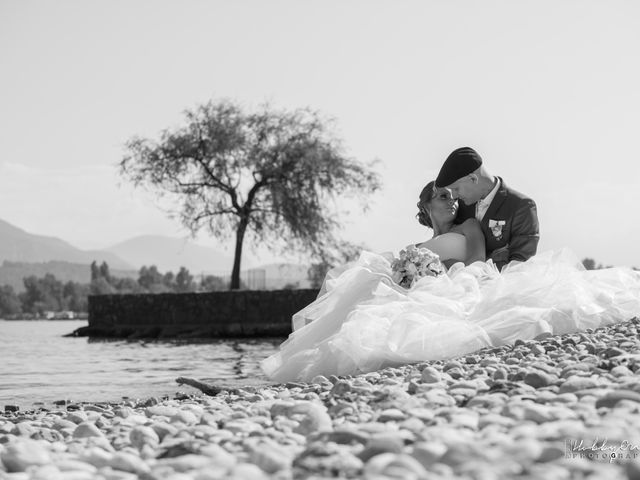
[547, 91]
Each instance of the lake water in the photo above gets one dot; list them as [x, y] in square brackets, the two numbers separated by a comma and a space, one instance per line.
[38, 364]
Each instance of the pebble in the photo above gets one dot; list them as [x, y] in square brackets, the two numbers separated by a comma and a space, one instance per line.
[390, 465]
[163, 429]
[621, 371]
[613, 352]
[341, 387]
[424, 414]
[22, 454]
[161, 411]
[574, 384]
[381, 443]
[327, 459]
[86, 430]
[142, 436]
[428, 453]
[77, 417]
[391, 415]
[127, 462]
[544, 413]
[346, 436]
[314, 417]
[184, 416]
[430, 375]
[538, 379]
[500, 374]
[185, 463]
[242, 427]
[610, 400]
[270, 456]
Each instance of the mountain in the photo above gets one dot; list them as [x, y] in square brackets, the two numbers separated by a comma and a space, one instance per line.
[23, 254]
[169, 254]
[17, 245]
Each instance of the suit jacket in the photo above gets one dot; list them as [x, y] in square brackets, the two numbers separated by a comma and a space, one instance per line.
[510, 226]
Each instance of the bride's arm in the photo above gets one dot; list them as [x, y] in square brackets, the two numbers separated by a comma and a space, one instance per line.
[448, 246]
[465, 243]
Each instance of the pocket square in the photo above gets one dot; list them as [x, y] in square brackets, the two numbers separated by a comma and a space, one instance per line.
[496, 228]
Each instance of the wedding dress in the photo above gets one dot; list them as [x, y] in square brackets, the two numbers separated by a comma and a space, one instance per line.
[363, 321]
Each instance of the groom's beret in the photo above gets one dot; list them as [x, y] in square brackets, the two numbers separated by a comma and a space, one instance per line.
[459, 163]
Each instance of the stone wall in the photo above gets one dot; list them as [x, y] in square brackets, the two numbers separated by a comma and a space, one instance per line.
[243, 313]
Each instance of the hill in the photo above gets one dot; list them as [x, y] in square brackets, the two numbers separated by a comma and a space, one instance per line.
[17, 245]
[13, 273]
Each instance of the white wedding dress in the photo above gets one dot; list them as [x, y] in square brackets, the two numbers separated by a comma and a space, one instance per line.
[363, 321]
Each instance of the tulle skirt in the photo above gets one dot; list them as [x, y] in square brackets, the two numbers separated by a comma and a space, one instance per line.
[363, 321]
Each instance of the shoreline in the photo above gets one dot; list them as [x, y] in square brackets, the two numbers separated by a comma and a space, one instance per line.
[556, 407]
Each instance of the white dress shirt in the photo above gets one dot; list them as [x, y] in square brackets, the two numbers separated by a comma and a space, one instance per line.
[483, 204]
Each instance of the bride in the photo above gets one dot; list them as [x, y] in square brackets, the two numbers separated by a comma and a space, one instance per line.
[363, 320]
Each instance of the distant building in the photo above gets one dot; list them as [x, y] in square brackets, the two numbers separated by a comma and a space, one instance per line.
[64, 315]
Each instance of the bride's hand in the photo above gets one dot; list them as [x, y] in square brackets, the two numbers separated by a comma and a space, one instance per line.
[450, 263]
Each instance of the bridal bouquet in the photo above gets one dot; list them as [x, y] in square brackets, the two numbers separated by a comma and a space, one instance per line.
[413, 264]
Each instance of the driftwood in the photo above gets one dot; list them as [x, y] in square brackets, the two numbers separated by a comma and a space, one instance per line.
[207, 389]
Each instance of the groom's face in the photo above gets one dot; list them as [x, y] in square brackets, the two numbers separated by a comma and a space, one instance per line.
[464, 189]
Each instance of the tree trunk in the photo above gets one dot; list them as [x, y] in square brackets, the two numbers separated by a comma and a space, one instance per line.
[235, 274]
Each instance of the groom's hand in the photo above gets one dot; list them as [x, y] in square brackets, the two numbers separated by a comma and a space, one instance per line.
[500, 256]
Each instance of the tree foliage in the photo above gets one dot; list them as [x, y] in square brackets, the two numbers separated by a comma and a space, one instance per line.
[9, 301]
[275, 175]
[590, 264]
[211, 283]
[48, 294]
[184, 281]
[75, 296]
[42, 294]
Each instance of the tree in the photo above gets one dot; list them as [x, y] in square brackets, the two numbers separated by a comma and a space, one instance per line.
[589, 263]
[270, 173]
[102, 283]
[100, 286]
[153, 281]
[104, 272]
[9, 301]
[184, 281]
[169, 280]
[95, 271]
[75, 296]
[211, 283]
[42, 294]
[127, 285]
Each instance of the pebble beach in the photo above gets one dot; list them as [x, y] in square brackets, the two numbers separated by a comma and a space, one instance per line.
[557, 407]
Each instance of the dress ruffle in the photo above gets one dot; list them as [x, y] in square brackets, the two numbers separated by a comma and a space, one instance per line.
[362, 321]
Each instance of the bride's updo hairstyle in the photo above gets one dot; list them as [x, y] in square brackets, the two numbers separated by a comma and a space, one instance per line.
[426, 195]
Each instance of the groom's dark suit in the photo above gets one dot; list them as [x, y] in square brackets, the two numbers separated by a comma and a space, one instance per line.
[510, 226]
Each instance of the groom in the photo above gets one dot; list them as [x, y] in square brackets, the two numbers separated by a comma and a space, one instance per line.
[508, 219]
